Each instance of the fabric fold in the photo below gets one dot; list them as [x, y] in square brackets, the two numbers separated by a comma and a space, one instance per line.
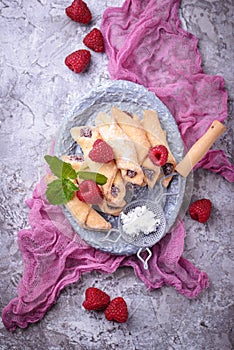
[154, 50]
[53, 260]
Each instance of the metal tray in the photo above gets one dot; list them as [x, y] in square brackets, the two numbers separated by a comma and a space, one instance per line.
[132, 98]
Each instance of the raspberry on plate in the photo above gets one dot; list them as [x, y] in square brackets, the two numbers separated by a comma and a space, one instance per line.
[117, 310]
[101, 152]
[95, 299]
[200, 210]
[89, 192]
[94, 40]
[158, 155]
[78, 60]
[78, 11]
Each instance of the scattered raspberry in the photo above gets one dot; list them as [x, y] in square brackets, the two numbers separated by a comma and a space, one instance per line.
[95, 299]
[200, 210]
[78, 11]
[89, 192]
[158, 155]
[117, 310]
[101, 152]
[94, 40]
[78, 61]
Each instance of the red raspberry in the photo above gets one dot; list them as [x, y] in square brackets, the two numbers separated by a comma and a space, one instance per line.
[95, 299]
[158, 155]
[117, 310]
[78, 61]
[101, 152]
[78, 11]
[94, 40]
[200, 210]
[89, 192]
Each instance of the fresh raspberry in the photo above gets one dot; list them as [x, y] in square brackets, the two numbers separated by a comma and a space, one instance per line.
[158, 155]
[101, 152]
[89, 192]
[78, 11]
[94, 40]
[78, 61]
[117, 310]
[200, 210]
[95, 299]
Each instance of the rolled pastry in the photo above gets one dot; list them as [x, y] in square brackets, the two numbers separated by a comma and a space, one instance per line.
[131, 125]
[86, 142]
[123, 148]
[157, 136]
[109, 170]
[134, 130]
[117, 191]
[85, 136]
[86, 216]
[151, 172]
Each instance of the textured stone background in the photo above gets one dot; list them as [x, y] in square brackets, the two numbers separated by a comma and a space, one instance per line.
[36, 91]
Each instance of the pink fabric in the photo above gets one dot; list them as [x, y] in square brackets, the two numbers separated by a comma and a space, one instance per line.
[145, 44]
[54, 256]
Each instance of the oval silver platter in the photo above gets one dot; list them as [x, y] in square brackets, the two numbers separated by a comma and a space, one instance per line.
[133, 98]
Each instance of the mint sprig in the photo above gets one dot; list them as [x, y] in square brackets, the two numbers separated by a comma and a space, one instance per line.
[61, 190]
[89, 175]
[61, 169]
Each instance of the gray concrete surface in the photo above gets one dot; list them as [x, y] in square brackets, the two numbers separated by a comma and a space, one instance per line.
[36, 91]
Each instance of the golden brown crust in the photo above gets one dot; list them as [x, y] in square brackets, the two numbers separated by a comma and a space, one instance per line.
[123, 148]
[117, 191]
[79, 210]
[157, 136]
[96, 222]
[134, 130]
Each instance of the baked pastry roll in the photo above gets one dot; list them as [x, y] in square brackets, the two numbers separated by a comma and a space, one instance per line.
[109, 170]
[134, 130]
[86, 140]
[117, 191]
[85, 136]
[86, 216]
[157, 136]
[151, 172]
[131, 125]
[123, 148]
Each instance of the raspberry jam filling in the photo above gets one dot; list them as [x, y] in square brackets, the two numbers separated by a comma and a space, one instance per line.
[86, 132]
[131, 173]
[114, 191]
[77, 158]
[167, 168]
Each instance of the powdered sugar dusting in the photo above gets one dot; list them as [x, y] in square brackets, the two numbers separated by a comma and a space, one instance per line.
[140, 219]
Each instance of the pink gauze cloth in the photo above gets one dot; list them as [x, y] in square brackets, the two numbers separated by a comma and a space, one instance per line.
[145, 44]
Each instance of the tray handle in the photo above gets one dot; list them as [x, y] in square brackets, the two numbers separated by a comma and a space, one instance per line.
[200, 148]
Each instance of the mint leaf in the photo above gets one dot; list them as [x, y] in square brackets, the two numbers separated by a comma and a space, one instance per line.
[60, 191]
[96, 177]
[70, 186]
[60, 169]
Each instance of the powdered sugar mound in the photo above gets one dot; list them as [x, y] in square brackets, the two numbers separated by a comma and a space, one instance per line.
[137, 220]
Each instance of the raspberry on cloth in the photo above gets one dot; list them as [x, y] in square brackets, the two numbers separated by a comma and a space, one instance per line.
[151, 49]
